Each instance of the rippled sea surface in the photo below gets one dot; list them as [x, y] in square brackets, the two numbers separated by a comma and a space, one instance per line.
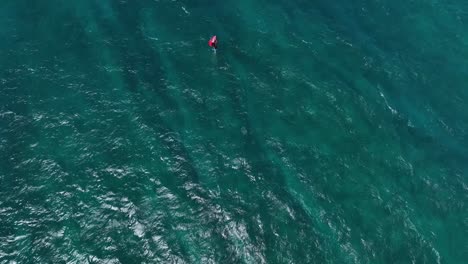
[320, 132]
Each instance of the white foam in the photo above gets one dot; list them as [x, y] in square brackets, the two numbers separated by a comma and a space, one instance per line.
[388, 105]
[185, 10]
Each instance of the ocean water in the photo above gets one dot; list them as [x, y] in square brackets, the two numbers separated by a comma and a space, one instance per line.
[320, 132]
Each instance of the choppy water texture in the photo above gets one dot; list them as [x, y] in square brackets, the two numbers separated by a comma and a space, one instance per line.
[321, 132]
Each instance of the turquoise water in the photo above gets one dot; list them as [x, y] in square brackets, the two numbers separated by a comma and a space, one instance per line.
[320, 132]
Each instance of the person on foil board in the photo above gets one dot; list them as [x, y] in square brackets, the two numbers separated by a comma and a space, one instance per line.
[213, 42]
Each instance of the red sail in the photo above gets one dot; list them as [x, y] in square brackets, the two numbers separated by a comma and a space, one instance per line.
[213, 41]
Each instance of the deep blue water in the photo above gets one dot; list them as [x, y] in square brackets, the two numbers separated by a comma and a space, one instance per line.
[320, 131]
